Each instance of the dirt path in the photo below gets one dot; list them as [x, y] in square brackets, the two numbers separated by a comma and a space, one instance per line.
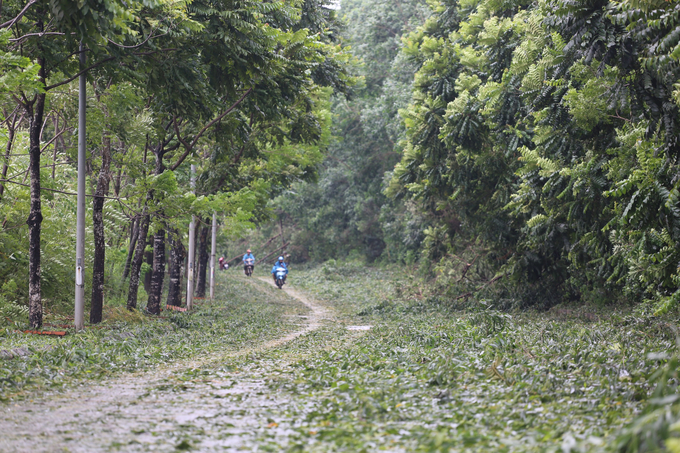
[214, 403]
[318, 313]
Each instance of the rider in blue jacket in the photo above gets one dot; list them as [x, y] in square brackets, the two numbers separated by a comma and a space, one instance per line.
[248, 255]
[279, 263]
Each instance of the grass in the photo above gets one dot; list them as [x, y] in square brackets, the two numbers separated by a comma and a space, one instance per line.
[243, 315]
[428, 378]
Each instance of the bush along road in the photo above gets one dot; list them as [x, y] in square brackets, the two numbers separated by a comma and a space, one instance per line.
[340, 363]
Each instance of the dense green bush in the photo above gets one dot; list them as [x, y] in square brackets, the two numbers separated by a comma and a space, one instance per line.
[541, 142]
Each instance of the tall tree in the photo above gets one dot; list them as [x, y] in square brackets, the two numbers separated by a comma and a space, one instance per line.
[47, 33]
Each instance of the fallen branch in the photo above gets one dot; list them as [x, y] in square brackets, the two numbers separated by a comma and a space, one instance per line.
[275, 251]
[45, 332]
[493, 280]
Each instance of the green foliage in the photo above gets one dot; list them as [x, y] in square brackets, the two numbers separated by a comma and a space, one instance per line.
[240, 88]
[18, 72]
[657, 426]
[542, 135]
[10, 310]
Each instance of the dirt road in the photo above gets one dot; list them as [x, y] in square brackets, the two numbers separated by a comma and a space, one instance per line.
[213, 403]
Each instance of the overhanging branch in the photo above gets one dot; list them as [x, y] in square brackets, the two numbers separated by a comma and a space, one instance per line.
[9, 23]
[190, 146]
[71, 79]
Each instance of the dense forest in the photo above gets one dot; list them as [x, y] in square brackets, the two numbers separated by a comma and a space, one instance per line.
[535, 146]
[240, 89]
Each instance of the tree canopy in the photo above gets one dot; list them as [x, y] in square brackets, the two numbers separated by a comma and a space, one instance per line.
[238, 88]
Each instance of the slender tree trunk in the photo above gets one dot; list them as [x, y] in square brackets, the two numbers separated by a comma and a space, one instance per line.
[116, 182]
[134, 228]
[35, 218]
[11, 128]
[157, 273]
[136, 266]
[203, 257]
[148, 257]
[55, 122]
[99, 263]
[177, 256]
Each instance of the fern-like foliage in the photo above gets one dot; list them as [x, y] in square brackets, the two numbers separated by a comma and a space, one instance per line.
[558, 147]
[11, 311]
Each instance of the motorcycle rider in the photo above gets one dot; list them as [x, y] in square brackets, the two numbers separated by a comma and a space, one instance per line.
[248, 256]
[279, 263]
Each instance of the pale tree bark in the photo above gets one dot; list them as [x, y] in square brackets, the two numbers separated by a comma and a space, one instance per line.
[97, 304]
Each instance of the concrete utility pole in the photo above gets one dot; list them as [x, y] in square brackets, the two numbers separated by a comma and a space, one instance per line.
[192, 248]
[80, 212]
[213, 252]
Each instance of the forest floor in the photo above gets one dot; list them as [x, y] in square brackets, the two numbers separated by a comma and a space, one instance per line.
[338, 363]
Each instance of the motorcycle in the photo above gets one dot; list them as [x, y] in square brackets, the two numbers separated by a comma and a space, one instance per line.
[280, 276]
[248, 266]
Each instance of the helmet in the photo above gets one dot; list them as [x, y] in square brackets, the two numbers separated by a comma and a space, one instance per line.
[248, 250]
[280, 258]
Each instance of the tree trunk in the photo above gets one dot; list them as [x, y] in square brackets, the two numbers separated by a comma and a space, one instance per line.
[203, 257]
[35, 217]
[158, 265]
[116, 182]
[97, 304]
[131, 250]
[153, 305]
[136, 266]
[177, 256]
[55, 122]
[11, 128]
[148, 257]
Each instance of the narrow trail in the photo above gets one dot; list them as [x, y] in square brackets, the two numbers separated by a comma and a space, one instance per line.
[318, 313]
[218, 402]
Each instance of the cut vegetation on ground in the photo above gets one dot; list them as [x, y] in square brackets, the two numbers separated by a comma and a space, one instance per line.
[369, 371]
